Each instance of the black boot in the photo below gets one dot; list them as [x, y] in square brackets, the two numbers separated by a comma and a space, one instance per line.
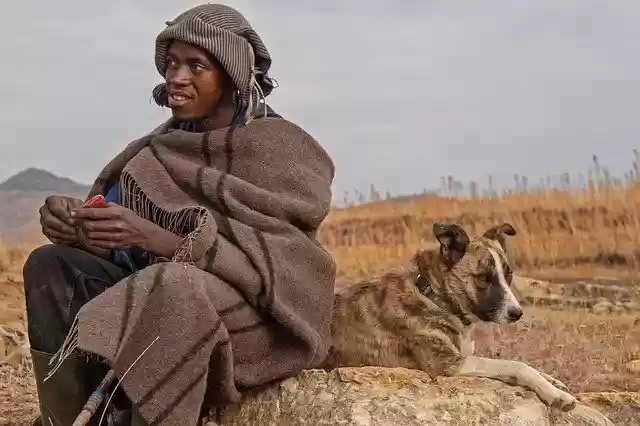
[137, 419]
[64, 394]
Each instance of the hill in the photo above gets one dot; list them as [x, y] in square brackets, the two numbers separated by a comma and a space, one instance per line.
[22, 195]
[38, 180]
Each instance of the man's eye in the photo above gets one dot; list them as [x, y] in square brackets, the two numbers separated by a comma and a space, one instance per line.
[171, 62]
[197, 67]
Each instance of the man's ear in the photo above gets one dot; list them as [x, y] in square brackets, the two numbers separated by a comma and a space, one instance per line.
[498, 233]
[453, 242]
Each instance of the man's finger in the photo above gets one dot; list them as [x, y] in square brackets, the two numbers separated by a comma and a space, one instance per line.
[59, 235]
[44, 212]
[55, 240]
[106, 225]
[111, 245]
[59, 209]
[52, 222]
[105, 236]
[101, 213]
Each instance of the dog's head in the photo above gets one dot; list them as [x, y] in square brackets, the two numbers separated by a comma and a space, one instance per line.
[477, 273]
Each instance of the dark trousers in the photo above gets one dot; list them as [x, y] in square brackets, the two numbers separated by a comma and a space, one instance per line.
[58, 280]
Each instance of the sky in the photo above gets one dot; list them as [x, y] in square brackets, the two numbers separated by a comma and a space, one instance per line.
[398, 93]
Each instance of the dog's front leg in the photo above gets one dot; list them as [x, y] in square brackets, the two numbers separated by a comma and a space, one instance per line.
[555, 382]
[517, 373]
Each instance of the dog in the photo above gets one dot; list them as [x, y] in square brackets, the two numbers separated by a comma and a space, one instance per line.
[423, 320]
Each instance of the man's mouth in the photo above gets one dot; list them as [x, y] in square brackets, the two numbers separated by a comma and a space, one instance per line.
[177, 99]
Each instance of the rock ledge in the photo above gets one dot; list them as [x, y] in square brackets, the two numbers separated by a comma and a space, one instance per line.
[397, 396]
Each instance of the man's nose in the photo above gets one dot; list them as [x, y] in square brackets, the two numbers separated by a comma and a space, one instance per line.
[179, 76]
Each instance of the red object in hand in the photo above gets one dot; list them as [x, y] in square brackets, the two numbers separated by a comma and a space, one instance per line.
[96, 201]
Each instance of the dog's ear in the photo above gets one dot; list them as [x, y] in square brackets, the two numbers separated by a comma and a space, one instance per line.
[453, 242]
[498, 232]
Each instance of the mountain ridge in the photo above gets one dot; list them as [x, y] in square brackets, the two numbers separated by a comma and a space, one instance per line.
[34, 179]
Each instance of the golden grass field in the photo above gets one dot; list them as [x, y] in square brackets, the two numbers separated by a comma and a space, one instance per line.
[564, 235]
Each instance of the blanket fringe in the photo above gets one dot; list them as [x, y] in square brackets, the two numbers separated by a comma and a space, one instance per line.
[187, 223]
[134, 198]
[184, 253]
[68, 346]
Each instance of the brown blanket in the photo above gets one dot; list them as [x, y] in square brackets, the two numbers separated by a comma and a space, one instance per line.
[248, 297]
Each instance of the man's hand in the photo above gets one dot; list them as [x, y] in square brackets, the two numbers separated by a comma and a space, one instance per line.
[56, 221]
[117, 227]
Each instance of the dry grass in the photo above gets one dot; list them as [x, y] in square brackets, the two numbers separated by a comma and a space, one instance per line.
[12, 256]
[18, 395]
[554, 230]
[596, 223]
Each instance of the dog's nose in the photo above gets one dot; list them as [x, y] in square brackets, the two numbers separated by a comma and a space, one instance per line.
[514, 314]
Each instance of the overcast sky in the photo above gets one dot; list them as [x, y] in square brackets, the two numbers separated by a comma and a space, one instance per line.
[399, 92]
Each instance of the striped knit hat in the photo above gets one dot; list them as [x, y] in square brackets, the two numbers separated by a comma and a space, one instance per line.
[227, 35]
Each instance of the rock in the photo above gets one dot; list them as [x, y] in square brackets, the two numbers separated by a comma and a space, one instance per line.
[603, 306]
[397, 396]
[14, 346]
[633, 367]
[631, 306]
[622, 408]
[617, 309]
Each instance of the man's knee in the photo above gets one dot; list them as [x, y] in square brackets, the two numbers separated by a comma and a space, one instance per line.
[45, 265]
[45, 295]
[40, 261]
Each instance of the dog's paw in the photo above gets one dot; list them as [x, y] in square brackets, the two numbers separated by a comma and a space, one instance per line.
[564, 401]
[555, 398]
[555, 382]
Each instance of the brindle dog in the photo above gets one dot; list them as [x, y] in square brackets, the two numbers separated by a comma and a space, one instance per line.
[423, 321]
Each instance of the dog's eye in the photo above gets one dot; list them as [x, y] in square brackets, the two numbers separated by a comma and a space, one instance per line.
[483, 281]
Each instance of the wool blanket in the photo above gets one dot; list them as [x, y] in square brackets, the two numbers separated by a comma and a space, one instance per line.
[247, 299]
